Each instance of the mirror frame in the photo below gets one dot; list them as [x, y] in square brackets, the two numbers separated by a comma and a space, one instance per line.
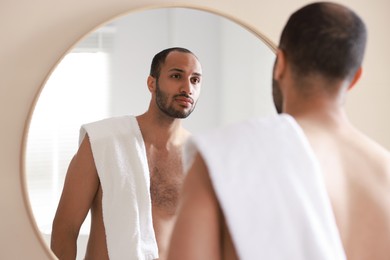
[26, 200]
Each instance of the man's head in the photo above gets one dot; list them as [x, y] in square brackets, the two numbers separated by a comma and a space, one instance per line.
[324, 39]
[175, 81]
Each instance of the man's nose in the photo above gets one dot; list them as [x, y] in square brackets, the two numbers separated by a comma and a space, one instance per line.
[186, 87]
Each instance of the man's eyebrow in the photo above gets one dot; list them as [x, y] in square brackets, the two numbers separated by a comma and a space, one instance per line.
[182, 71]
[176, 69]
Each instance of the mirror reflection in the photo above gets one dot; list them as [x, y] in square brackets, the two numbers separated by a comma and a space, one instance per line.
[105, 75]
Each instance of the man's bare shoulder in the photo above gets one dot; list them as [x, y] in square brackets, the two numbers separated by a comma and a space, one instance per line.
[372, 153]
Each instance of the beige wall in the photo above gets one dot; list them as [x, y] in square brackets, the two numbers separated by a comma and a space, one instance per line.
[36, 34]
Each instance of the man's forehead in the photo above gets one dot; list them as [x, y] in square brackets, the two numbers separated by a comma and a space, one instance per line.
[182, 62]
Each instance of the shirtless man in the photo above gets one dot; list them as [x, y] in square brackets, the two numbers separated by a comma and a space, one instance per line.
[174, 83]
[318, 60]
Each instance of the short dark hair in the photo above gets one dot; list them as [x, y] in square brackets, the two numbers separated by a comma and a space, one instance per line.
[160, 57]
[324, 38]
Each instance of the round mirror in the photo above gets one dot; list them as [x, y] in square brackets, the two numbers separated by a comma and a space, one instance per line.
[105, 75]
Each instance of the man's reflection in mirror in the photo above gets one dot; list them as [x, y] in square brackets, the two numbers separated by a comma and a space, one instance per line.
[128, 170]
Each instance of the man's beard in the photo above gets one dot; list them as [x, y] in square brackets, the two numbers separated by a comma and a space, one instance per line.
[162, 103]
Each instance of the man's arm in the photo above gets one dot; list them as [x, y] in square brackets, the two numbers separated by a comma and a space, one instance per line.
[197, 233]
[81, 185]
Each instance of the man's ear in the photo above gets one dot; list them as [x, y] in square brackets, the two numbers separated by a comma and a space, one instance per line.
[280, 64]
[151, 83]
[356, 78]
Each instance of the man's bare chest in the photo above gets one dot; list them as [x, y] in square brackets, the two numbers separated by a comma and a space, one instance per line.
[166, 178]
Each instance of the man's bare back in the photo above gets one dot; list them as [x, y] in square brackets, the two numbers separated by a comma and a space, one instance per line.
[357, 176]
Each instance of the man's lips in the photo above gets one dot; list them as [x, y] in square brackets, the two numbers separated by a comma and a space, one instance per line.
[184, 100]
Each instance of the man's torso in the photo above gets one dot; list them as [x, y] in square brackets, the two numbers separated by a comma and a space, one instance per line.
[166, 178]
[357, 176]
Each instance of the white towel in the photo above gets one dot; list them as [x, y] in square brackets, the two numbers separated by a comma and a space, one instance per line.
[271, 190]
[120, 157]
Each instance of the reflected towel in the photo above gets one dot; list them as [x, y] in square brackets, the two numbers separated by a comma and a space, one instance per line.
[271, 190]
[120, 158]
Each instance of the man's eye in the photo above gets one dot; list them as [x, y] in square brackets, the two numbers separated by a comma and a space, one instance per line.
[195, 80]
[175, 76]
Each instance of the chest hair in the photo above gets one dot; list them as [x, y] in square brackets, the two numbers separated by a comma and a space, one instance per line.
[166, 178]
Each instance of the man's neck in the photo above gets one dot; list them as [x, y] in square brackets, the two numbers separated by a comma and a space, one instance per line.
[322, 114]
[320, 106]
[161, 131]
